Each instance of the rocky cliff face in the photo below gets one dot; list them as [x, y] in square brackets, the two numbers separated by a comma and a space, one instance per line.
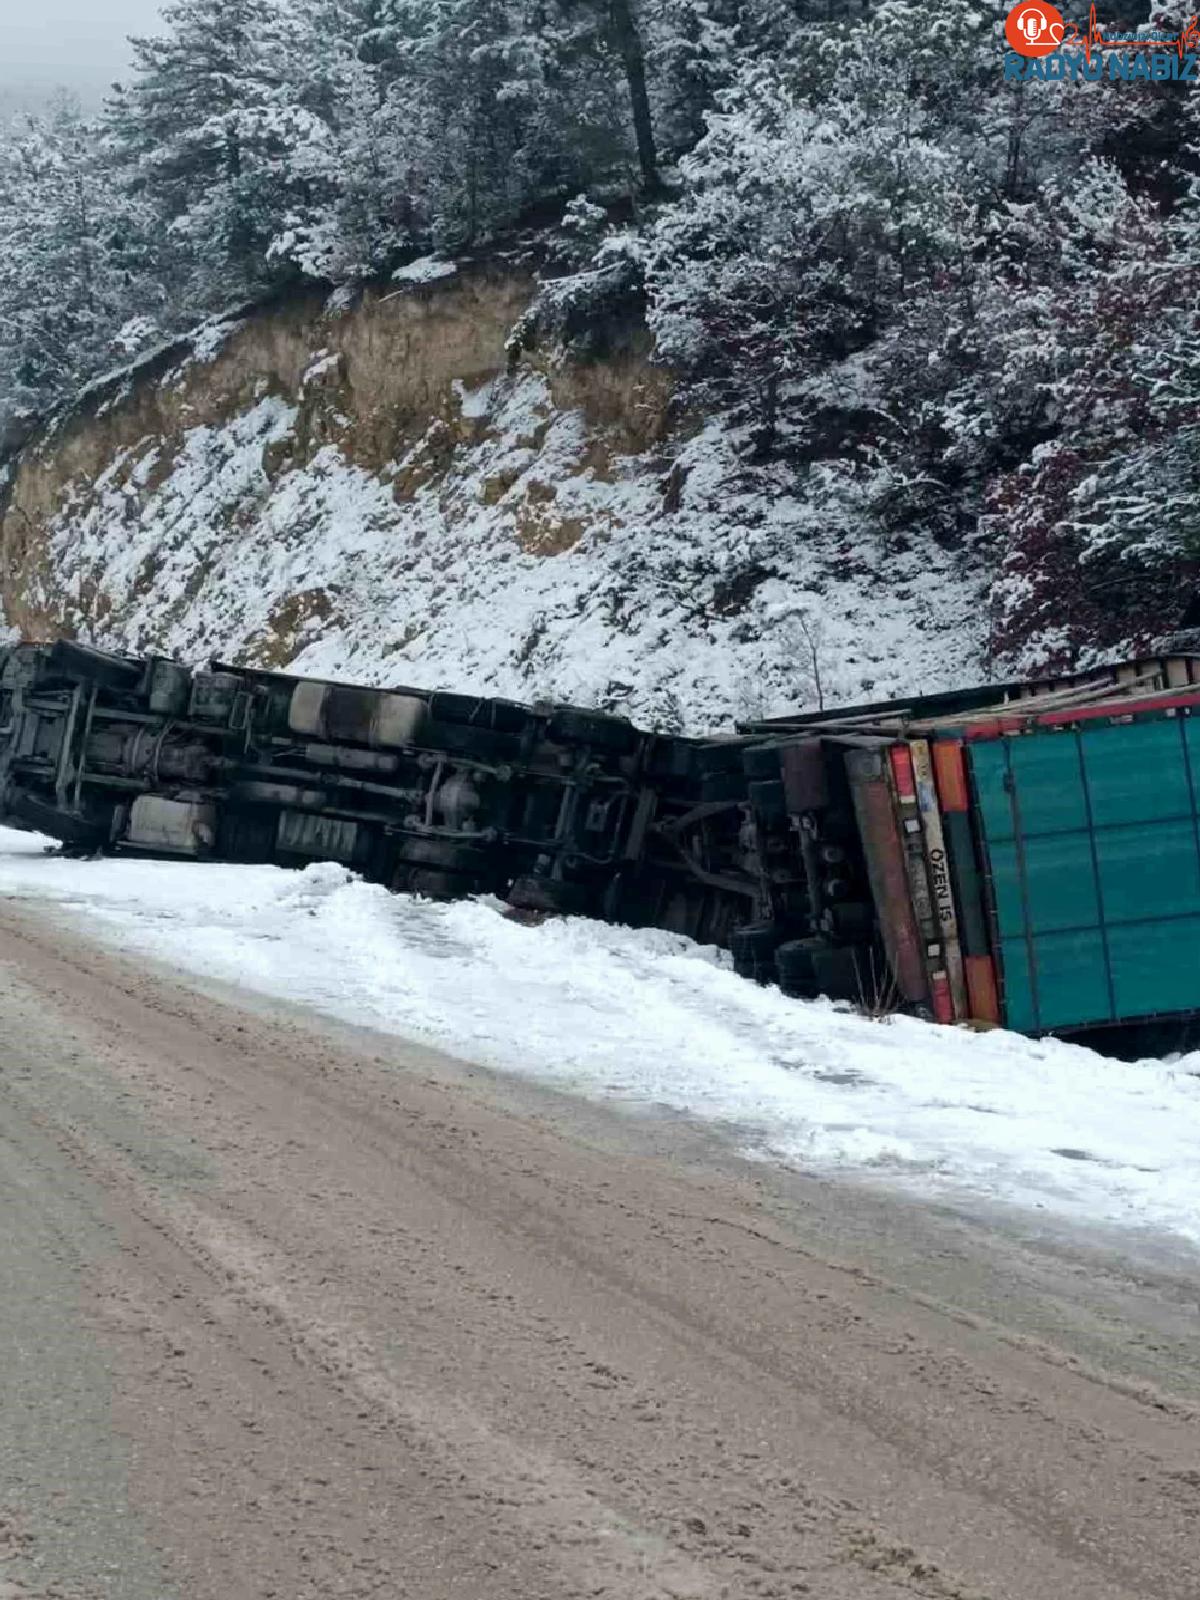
[369, 490]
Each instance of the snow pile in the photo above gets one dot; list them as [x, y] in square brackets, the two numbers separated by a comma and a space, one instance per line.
[509, 561]
[648, 1018]
[426, 269]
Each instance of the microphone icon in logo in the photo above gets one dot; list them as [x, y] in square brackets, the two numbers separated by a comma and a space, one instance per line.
[1032, 24]
[1034, 28]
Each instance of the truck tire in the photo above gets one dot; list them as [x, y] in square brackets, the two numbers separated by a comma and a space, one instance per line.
[592, 727]
[550, 894]
[729, 786]
[837, 827]
[81, 664]
[795, 965]
[487, 717]
[474, 744]
[849, 920]
[838, 973]
[719, 757]
[447, 854]
[75, 832]
[672, 758]
[761, 972]
[436, 885]
[752, 948]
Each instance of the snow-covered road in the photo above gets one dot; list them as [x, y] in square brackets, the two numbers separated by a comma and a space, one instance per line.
[649, 1018]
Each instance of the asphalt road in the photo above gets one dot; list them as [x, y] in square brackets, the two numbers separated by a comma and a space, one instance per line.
[292, 1311]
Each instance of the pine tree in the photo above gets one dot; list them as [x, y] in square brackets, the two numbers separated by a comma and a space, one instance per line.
[351, 183]
[693, 50]
[804, 224]
[82, 285]
[212, 127]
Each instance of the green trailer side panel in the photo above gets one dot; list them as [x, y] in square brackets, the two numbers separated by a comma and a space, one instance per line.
[1155, 967]
[1072, 981]
[1051, 787]
[1138, 870]
[988, 764]
[1057, 889]
[1092, 843]
[1137, 771]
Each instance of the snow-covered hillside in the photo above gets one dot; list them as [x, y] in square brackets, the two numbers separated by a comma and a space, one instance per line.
[372, 492]
[940, 308]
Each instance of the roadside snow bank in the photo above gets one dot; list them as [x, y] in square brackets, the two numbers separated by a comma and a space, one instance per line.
[647, 1017]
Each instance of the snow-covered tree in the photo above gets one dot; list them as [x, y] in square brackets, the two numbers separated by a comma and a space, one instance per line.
[694, 49]
[211, 125]
[964, 307]
[802, 225]
[1099, 528]
[82, 284]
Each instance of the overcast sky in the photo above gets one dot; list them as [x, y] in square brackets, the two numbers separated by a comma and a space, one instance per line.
[75, 44]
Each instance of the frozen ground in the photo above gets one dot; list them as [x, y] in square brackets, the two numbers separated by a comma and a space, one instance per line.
[649, 1018]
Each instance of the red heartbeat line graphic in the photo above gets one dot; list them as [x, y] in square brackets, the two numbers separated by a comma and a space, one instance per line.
[1187, 41]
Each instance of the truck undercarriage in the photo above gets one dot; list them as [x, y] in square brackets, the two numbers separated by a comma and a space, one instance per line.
[862, 854]
[552, 808]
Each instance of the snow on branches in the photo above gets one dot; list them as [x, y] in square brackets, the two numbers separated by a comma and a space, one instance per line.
[969, 302]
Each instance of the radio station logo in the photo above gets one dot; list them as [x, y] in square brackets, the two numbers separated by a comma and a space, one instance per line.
[1034, 29]
[1043, 45]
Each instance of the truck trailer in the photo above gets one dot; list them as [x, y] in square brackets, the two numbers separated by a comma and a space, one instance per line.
[1024, 855]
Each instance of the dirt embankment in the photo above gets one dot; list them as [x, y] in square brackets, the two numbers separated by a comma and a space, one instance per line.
[380, 380]
[388, 491]
[304, 1314]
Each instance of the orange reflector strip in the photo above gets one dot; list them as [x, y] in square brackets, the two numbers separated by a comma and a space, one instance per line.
[951, 774]
[943, 1000]
[982, 993]
[902, 771]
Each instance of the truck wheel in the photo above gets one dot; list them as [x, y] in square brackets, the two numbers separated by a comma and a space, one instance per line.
[761, 972]
[673, 759]
[729, 786]
[444, 853]
[550, 894]
[836, 827]
[82, 664]
[594, 728]
[489, 716]
[719, 757]
[755, 943]
[435, 885]
[79, 833]
[838, 973]
[475, 744]
[851, 920]
[795, 963]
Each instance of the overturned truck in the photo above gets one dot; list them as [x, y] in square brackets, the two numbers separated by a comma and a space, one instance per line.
[1025, 854]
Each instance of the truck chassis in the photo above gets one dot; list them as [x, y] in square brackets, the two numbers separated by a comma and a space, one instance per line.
[833, 853]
